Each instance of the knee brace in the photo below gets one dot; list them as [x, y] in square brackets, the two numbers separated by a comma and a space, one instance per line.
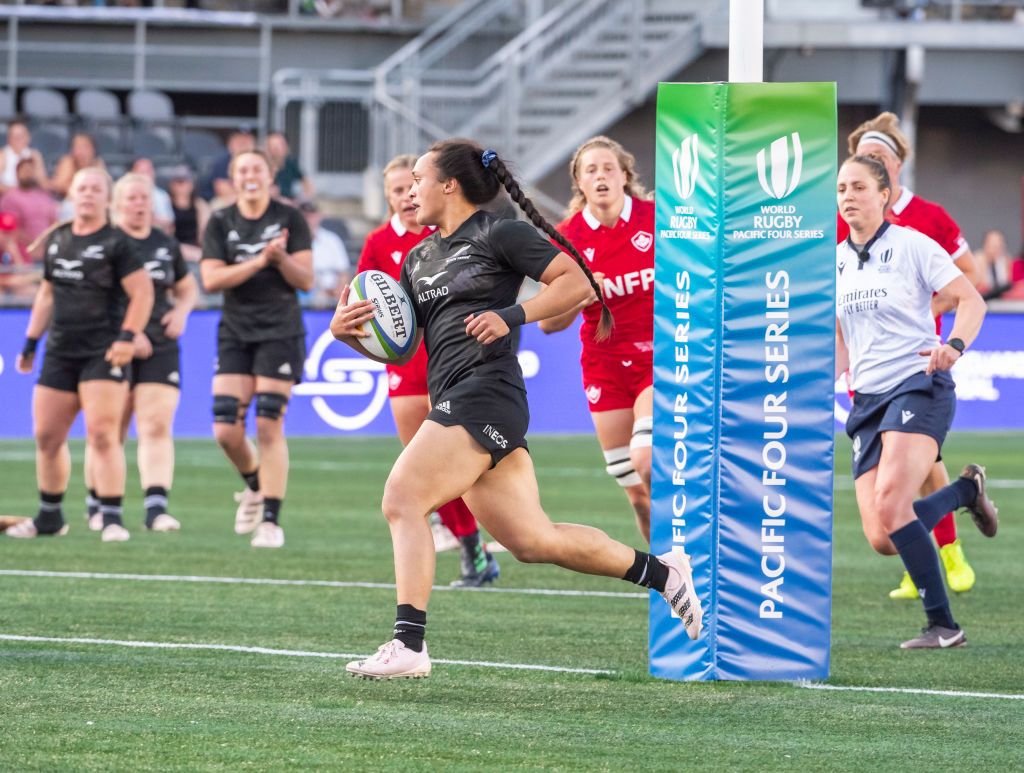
[225, 409]
[270, 405]
[643, 433]
[620, 467]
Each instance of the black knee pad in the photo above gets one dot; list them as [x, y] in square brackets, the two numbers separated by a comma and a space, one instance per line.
[225, 409]
[270, 405]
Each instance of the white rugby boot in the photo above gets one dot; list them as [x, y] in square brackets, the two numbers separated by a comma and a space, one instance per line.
[679, 591]
[392, 660]
[250, 511]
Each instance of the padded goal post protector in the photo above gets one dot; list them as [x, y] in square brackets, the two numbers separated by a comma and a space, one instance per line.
[743, 371]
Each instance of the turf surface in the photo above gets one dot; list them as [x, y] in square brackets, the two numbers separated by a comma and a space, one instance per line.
[104, 706]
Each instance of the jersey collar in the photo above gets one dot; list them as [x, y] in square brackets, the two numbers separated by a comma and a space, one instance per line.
[594, 223]
[401, 230]
[901, 203]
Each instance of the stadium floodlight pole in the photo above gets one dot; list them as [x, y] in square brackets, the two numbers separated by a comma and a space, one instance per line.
[746, 41]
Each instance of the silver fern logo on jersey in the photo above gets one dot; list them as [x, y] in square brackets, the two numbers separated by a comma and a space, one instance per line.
[686, 165]
[782, 178]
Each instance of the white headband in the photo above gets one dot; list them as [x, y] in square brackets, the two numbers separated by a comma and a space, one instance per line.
[882, 139]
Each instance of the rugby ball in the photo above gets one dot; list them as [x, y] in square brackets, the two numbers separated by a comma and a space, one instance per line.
[393, 327]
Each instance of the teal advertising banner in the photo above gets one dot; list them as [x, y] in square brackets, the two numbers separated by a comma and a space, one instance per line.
[743, 370]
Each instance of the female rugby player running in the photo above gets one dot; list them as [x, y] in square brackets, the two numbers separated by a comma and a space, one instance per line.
[156, 368]
[613, 225]
[258, 251]
[903, 394]
[463, 281]
[385, 250]
[94, 297]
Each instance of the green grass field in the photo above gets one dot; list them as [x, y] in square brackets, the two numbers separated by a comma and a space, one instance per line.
[99, 704]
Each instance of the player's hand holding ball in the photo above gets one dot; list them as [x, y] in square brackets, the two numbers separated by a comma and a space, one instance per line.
[350, 318]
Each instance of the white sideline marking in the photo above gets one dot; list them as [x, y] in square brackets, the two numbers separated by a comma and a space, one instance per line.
[288, 653]
[320, 583]
[909, 691]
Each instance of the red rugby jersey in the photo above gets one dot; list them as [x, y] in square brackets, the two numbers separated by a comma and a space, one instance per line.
[625, 255]
[387, 245]
[922, 215]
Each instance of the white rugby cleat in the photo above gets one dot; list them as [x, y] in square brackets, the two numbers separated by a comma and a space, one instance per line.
[268, 535]
[115, 532]
[249, 512]
[392, 660]
[679, 591]
[165, 522]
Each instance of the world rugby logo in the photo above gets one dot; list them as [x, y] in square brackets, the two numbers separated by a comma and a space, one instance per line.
[783, 180]
[685, 165]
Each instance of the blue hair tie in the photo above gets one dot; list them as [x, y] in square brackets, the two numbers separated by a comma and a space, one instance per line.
[488, 157]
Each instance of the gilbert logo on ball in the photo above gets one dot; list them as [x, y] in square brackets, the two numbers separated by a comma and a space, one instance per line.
[393, 327]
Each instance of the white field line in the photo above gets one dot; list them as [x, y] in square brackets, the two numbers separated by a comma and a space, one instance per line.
[319, 583]
[288, 653]
[910, 691]
[477, 663]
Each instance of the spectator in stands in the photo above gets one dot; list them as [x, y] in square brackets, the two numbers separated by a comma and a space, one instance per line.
[190, 212]
[81, 156]
[18, 149]
[34, 209]
[287, 172]
[163, 212]
[15, 279]
[218, 190]
[332, 268]
[997, 270]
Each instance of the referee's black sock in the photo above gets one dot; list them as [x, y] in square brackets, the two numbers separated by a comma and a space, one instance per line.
[271, 509]
[933, 508]
[111, 509]
[647, 571]
[410, 625]
[50, 518]
[922, 562]
[252, 479]
[155, 503]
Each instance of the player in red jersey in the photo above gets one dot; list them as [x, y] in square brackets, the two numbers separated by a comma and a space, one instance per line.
[881, 137]
[384, 250]
[612, 224]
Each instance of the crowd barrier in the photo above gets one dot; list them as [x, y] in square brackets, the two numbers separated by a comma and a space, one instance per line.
[343, 393]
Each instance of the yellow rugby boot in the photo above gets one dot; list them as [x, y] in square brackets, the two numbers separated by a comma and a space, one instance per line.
[959, 574]
[906, 589]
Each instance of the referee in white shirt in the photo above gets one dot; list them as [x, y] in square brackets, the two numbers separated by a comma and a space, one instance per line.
[904, 396]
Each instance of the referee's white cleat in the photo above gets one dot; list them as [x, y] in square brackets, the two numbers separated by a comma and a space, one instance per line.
[249, 512]
[982, 510]
[392, 660]
[679, 591]
[268, 535]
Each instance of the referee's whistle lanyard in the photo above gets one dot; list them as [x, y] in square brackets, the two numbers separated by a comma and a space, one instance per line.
[864, 254]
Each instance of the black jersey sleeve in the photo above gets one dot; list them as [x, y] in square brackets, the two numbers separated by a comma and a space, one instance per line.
[178, 260]
[214, 243]
[299, 238]
[523, 247]
[125, 258]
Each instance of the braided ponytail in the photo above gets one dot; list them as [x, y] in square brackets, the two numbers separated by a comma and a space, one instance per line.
[508, 181]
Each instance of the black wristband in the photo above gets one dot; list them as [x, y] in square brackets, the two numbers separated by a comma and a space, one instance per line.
[30, 346]
[126, 335]
[513, 316]
[957, 344]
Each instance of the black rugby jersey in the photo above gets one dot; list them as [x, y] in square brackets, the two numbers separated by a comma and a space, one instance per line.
[480, 267]
[88, 300]
[265, 307]
[161, 256]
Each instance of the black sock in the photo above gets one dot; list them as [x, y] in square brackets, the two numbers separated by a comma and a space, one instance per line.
[410, 626]
[252, 479]
[50, 518]
[92, 503]
[271, 509]
[932, 508]
[155, 503]
[111, 509]
[922, 562]
[474, 557]
[647, 571]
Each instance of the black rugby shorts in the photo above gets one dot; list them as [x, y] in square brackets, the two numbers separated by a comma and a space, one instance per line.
[65, 373]
[162, 367]
[494, 412]
[281, 358]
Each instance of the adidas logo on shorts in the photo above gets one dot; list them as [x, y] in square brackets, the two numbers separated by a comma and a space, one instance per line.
[444, 407]
[174, 377]
[116, 371]
[285, 370]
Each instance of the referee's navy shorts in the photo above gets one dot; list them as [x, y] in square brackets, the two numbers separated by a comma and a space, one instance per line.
[492, 409]
[922, 404]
